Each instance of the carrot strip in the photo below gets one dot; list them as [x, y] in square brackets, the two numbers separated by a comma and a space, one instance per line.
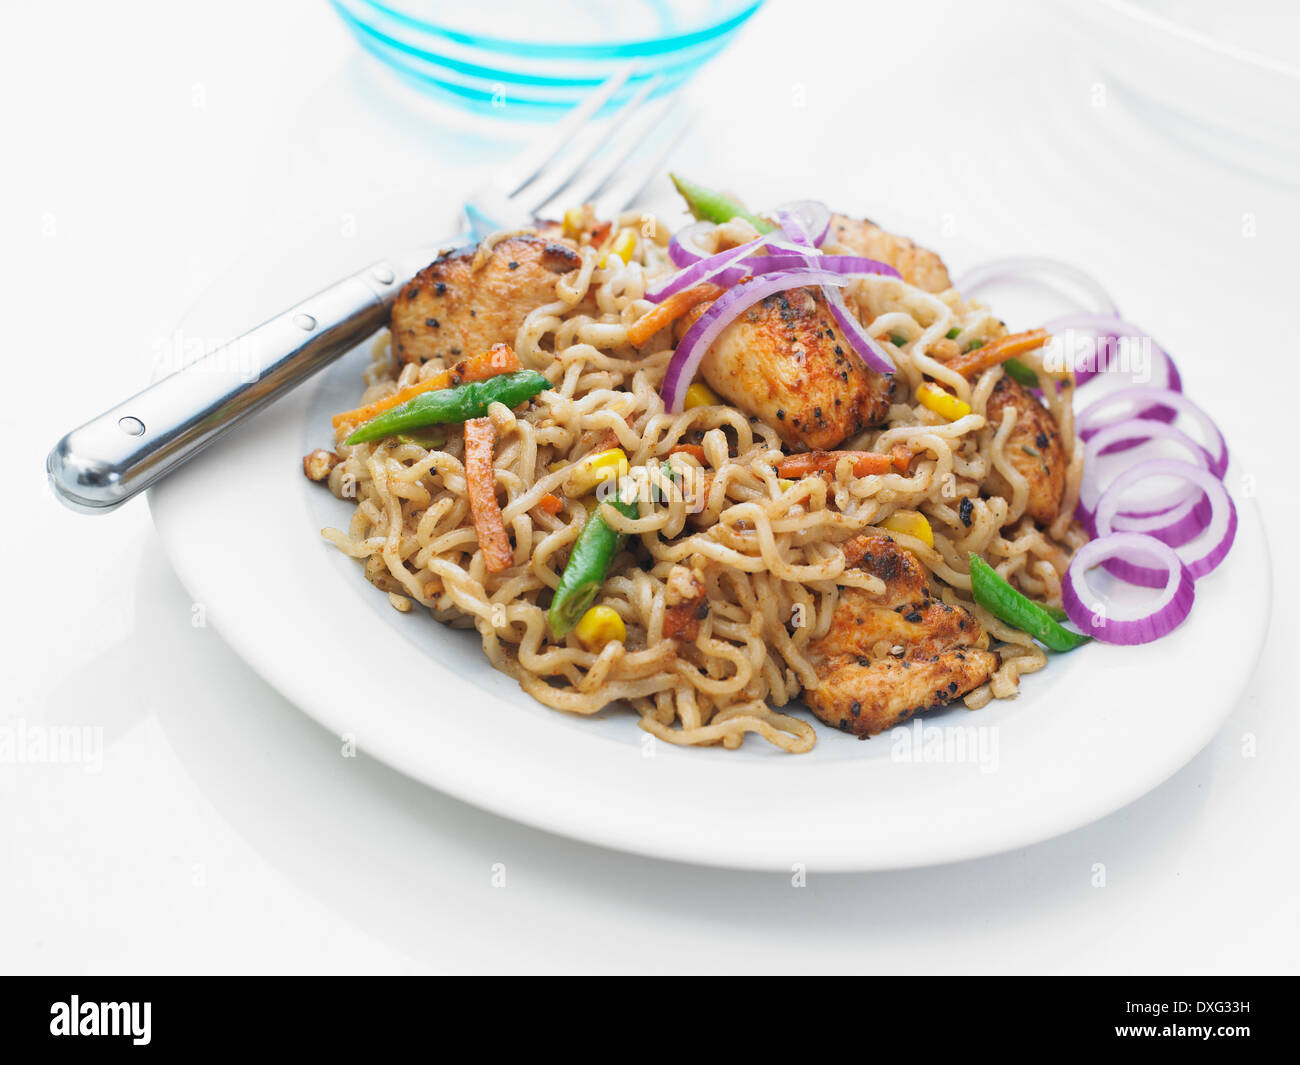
[480, 477]
[669, 311]
[901, 457]
[550, 503]
[496, 360]
[694, 450]
[817, 462]
[998, 351]
[600, 440]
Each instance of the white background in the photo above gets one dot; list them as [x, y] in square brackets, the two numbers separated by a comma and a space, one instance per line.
[151, 145]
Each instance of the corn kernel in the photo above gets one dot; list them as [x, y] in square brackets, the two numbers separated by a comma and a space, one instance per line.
[910, 523]
[575, 222]
[624, 247]
[598, 626]
[785, 484]
[942, 402]
[700, 395]
[595, 470]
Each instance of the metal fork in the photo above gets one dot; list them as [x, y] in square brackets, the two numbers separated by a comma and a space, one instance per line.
[105, 462]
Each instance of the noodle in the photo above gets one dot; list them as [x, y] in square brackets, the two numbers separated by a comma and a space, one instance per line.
[765, 550]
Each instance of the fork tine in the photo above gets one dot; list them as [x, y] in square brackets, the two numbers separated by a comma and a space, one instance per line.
[559, 177]
[617, 195]
[525, 167]
[628, 141]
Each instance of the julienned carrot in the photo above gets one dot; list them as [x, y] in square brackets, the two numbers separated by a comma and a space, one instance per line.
[550, 503]
[998, 351]
[694, 450]
[901, 457]
[480, 478]
[498, 359]
[817, 462]
[669, 311]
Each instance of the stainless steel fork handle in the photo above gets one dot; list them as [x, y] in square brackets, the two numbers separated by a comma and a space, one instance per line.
[108, 460]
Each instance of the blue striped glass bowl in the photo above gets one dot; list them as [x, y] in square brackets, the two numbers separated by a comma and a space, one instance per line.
[537, 58]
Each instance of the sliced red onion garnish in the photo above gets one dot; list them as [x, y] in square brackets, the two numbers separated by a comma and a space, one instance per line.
[862, 342]
[725, 310]
[1177, 526]
[867, 347]
[1216, 536]
[998, 269]
[684, 249]
[1124, 403]
[1116, 336]
[1139, 430]
[1177, 590]
[792, 226]
[811, 216]
[1126, 351]
[848, 265]
[702, 270]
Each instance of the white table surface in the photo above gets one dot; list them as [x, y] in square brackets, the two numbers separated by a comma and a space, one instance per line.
[151, 146]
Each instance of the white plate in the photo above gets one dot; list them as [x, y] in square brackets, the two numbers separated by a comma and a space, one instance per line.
[1095, 730]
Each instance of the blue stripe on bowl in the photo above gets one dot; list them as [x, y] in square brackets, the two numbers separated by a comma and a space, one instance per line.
[534, 50]
[483, 98]
[481, 88]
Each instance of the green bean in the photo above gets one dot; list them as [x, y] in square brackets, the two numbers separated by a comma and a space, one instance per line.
[995, 594]
[1020, 373]
[458, 404]
[710, 206]
[587, 567]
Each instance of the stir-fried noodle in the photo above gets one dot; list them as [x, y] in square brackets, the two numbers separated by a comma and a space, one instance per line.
[766, 549]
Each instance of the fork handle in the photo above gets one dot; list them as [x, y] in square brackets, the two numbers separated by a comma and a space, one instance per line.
[105, 462]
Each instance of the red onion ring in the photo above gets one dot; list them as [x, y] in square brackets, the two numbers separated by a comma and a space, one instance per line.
[1113, 330]
[811, 216]
[706, 269]
[842, 264]
[1092, 419]
[1178, 590]
[684, 248]
[997, 269]
[1219, 533]
[862, 342]
[723, 311]
[1157, 513]
[726, 268]
[1164, 371]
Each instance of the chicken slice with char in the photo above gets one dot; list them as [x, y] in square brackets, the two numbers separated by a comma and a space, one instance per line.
[1033, 449]
[450, 309]
[919, 266]
[786, 362]
[887, 657]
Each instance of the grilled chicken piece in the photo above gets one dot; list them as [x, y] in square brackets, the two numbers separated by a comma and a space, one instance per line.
[919, 266]
[1034, 449]
[886, 658]
[448, 309]
[786, 362]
